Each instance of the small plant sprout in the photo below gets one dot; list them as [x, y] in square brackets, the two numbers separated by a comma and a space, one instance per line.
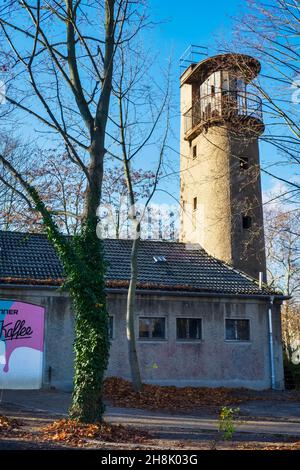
[227, 420]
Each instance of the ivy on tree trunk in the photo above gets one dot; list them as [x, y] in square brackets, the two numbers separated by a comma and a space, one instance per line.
[87, 290]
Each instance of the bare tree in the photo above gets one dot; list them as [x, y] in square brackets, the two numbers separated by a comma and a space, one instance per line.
[283, 249]
[283, 257]
[62, 185]
[270, 31]
[16, 209]
[59, 57]
[142, 109]
[115, 200]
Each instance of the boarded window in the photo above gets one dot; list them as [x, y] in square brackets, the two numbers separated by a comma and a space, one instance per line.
[237, 330]
[189, 328]
[152, 328]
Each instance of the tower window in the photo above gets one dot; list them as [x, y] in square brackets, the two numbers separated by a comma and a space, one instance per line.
[225, 83]
[213, 90]
[194, 151]
[247, 222]
[195, 203]
[244, 163]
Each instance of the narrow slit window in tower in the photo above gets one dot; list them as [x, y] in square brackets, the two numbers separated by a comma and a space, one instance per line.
[195, 203]
[194, 152]
[244, 163]
[247, 222]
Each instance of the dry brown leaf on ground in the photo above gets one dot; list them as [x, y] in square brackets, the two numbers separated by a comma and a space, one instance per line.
[279, 446]
[71, 431]
[121, 393]
[7, 425]
[155, 397]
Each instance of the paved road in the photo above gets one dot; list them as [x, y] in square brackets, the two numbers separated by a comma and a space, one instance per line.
[55, 402]
[188, 424]
[52, 401]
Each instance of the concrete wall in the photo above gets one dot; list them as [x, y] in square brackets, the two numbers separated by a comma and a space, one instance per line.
[247, 246]
[211, 362]
[207, 177]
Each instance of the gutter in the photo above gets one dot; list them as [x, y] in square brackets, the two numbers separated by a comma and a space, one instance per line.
[28, 286]
[198, 294]
[173, 293]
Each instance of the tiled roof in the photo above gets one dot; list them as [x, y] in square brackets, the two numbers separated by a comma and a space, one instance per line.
[30, 259]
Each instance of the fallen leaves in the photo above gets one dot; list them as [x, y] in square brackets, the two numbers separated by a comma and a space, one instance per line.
[8, 425]
[120, 393]
[279, 446]
[72, 432]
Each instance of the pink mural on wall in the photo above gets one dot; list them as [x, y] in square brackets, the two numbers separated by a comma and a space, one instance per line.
[21, 325]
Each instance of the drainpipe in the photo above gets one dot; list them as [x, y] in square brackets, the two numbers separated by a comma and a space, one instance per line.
[261, 278]
[271, 346]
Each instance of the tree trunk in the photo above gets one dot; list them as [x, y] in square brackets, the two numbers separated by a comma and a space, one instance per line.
[130, 317]
[87, 289]
[288, 346]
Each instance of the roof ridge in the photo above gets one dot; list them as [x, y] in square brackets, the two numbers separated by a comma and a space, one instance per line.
[19, 232]
[143, 240]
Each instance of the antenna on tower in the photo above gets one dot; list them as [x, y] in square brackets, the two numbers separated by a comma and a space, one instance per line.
[192, 55]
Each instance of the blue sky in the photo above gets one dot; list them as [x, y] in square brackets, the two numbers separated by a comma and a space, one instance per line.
[179, 25]
[182, 23]
[192, 22]
[203, 23]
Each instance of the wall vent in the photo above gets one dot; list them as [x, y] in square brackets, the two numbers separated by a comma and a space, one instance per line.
[159, 259]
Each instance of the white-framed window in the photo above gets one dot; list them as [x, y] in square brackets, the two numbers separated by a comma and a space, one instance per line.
[189, 329]
[237, 329]
[152, 328]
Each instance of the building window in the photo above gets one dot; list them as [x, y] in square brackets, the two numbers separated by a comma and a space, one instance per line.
[111, 327]
[152, 328]
[237, 330]
[244, 163]
[194, 152]
[195, 204]
[247, 222]
[225, 83]
[189, 328]
[213, 90]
